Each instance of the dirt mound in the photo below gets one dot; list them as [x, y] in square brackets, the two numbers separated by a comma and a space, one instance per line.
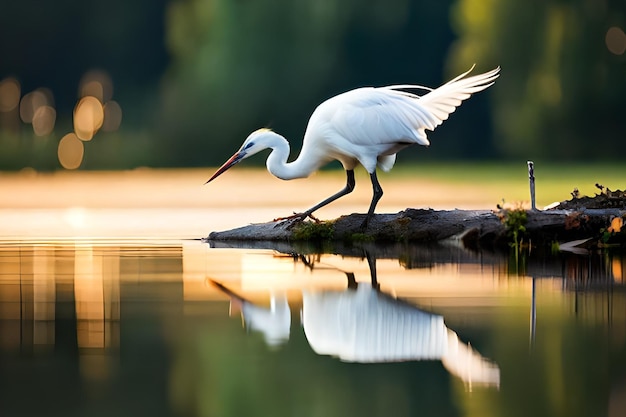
[605, 199]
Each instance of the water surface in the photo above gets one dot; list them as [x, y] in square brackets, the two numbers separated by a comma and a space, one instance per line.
[179, 328]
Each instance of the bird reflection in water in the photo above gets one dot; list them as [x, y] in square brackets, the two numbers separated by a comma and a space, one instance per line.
[365, 325]
[273, 322]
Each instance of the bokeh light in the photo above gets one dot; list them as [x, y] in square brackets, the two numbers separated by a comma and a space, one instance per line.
[44, 120]
[112, 116]
[71, 151]
[615, 40]
[98, 84]
[9, 94]
[32, 101]
[88, 117]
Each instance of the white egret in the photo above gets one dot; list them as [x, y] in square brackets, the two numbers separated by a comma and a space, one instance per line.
[366, 126]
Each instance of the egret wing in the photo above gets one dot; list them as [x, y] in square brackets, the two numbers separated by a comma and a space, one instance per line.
[381, 117]
[390, 116]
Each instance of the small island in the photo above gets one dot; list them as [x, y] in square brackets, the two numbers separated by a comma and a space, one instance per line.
[590, 221]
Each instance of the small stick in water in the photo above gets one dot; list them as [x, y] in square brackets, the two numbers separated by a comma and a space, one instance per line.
[531, 179]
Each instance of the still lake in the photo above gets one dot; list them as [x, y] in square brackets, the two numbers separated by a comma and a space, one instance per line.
[111, 305]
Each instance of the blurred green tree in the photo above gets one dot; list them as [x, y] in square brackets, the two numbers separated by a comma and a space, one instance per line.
[240, 65]
[228, 59]
[562, 92]
[229, 67]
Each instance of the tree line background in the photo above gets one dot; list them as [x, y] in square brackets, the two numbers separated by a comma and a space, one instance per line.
[195, 77]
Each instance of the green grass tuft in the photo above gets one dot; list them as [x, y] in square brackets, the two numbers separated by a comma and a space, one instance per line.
[314, 231]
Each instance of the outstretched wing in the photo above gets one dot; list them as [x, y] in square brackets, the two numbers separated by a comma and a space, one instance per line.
[391, 117]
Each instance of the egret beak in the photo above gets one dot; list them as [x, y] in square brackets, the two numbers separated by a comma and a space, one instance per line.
[232, 161]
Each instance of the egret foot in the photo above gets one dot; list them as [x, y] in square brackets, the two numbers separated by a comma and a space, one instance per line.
[295, 218]
[298, 217]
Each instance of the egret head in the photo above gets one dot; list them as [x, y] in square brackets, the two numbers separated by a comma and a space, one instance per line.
[254, 143]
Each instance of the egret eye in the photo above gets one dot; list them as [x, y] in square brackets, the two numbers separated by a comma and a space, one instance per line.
[248, 146]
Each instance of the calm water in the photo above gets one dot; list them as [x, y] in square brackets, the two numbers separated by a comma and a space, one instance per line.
[179, 328]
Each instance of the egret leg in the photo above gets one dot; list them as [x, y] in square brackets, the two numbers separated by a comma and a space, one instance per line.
[352, 284]
[371, 261]
[346, 190]
[377, 193]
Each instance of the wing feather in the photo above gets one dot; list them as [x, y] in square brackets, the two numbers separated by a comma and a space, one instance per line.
[444, 100]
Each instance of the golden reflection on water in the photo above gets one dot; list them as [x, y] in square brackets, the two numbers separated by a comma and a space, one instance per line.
[34, 278]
